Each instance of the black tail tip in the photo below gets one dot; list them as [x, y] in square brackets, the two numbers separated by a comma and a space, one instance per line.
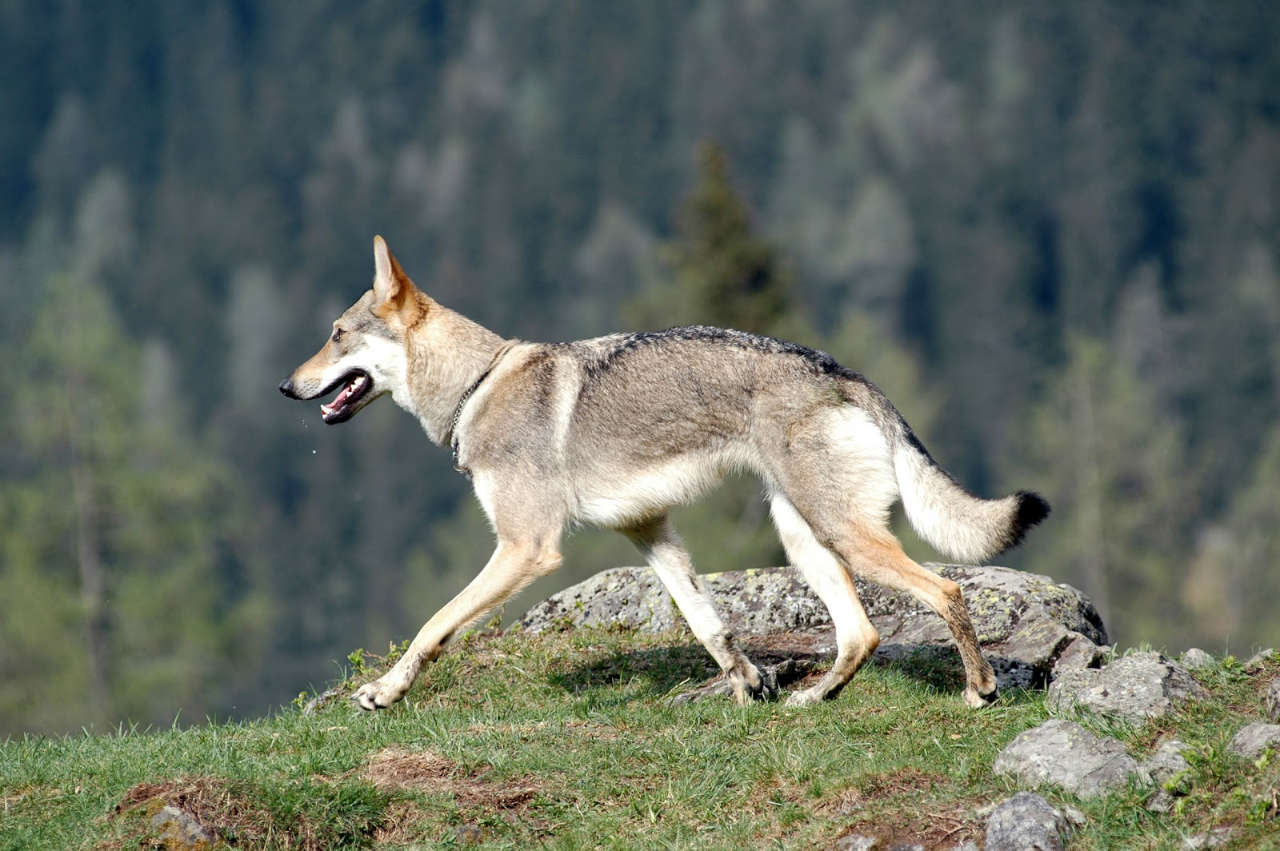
[1032, 508]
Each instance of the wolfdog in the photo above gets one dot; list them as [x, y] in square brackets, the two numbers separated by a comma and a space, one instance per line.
[616, 430]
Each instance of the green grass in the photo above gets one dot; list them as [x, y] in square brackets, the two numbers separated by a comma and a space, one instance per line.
[567, 741]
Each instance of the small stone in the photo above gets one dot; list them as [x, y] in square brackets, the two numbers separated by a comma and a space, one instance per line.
[1257, 660]
[1254, 738]
[1079, 653]
[1067, 755]
[856, 842]
[320, 701]
[1160, 802]
[468, 833]
[984, 812]
[1213, 839]
[1134, 687]
[179, 830]
[1194, 659]
[1027, 822]
[1166, 762]
[1271, 700]
[1074, 817]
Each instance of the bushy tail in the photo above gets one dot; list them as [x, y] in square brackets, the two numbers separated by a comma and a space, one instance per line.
[951, 519]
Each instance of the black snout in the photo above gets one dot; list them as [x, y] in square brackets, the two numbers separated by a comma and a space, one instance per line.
[286, 387]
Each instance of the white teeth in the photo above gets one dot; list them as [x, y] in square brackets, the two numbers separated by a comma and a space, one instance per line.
[352, 387]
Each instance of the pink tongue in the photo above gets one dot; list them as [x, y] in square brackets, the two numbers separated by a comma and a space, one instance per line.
[342, 397]
[339, 401]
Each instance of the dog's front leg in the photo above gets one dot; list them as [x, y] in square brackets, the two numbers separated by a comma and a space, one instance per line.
[512, 566]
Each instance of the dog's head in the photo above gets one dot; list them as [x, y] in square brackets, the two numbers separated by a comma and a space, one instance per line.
[365, 355]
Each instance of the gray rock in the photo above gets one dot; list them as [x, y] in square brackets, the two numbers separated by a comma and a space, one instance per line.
[1161, 802]
[1257, 660]
[1064, 754]
[1253, 739]
[1079, 653]
[1215, 838]
[1074, 818]
[1026, 822]
[1166, 762]
[1142, 685]
[1193, 659]
[1271, 700]
[179, 830]
[1164, 765]
[1025, 622]
[856, 842]
[320, 701]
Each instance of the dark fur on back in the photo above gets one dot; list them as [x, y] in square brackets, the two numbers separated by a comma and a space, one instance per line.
[820, 362]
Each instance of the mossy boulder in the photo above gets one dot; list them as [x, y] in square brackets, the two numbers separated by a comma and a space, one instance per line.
[1030, 627]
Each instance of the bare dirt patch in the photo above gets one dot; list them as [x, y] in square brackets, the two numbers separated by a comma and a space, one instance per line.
[395, 769]
[479, 799]
[946, 829]
[878, 788]
[906, 822]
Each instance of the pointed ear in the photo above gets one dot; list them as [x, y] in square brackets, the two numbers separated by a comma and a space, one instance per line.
[388, 278]
[393, 292]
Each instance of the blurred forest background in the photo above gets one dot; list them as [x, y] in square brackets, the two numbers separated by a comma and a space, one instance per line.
[1050, 232]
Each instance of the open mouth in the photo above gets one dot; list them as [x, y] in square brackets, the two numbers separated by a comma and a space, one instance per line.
[355, 386]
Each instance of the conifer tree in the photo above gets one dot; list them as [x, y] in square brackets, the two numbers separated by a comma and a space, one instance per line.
[721, 272]
[1098, 447]
[114, 608]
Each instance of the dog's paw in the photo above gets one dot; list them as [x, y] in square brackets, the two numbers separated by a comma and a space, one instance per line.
[974, 700]
[808, 697]
[379, 694]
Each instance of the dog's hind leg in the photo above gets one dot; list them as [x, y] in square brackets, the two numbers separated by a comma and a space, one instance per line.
[837, 471]
[666, 554]
[856, 637]
[879, 557]
[514, 564]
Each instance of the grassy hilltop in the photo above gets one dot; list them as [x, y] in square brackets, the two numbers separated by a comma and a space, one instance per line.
[567, 740]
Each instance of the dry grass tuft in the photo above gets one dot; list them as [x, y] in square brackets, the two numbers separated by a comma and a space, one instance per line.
[395, 769]
[211, 802]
